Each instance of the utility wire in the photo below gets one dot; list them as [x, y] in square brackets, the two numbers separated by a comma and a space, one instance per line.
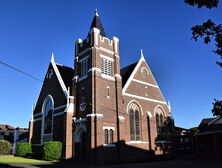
[16, 69]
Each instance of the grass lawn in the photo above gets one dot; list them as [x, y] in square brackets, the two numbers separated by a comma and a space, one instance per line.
[21, 160]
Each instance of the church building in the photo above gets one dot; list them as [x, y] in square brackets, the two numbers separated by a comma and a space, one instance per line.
[99, 111]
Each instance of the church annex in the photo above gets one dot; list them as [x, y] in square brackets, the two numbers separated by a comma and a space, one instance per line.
[100, 113]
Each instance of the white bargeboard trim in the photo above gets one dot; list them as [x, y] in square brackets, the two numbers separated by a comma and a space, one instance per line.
[61, 82]
[133, 74]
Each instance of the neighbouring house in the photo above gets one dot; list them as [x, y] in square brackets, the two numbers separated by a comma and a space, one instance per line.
[210, 137]
[100, 112]
[13, 135]
[7, 132]
[184, 140]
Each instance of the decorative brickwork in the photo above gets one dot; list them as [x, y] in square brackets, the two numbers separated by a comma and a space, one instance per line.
[101, 113]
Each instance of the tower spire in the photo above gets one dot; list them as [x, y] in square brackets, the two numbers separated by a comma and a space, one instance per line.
[96, 23]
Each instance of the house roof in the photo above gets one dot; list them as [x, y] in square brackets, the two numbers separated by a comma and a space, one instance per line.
[22, 129]
[206, 121]
[180, 128]
[66, 74]
[6, 127]
[126, 72]
[96, 23]
[210, 125]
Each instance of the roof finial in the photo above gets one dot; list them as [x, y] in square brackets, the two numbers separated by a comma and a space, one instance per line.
[141, 53]
[169, 106]
[33, 107]
[96, 12]
[52, 58]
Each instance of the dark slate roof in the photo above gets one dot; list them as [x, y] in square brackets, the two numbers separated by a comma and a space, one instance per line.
[206, 121]
[204, 126]
[66, 74]
[126, 72]
[98, 24]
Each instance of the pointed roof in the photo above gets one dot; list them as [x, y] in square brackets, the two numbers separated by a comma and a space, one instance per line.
[96, 23]
[66, 74]
[126, 72]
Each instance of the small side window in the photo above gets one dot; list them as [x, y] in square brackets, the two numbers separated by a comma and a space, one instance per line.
[106, 136]
[111, 136]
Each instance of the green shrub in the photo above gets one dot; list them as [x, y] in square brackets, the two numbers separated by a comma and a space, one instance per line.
[52, 150]
[5, 147]
[23, 149]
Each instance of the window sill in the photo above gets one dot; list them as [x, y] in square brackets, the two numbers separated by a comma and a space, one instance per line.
[48, 134]
[109, 145]
[108, 77]
[136, 142]
[82, 78]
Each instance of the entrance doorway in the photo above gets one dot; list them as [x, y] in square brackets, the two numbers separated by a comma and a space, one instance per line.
[80, 138]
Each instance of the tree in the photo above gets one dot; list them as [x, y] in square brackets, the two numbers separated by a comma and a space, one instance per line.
[209, 31]
[194, 131]
[201, 3]
[217, 108]
[5, 147]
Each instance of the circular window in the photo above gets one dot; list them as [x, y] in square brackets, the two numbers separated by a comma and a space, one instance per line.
[145, 72]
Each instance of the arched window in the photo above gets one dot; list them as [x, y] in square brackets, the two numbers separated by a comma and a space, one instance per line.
[157, 122]
[132, 129]
[159, 119]
[137, 124]
[134, 119]
[48, 109]
[106, 136]
[111, 136]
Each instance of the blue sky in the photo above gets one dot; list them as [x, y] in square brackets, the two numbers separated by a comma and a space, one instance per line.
[185, 70]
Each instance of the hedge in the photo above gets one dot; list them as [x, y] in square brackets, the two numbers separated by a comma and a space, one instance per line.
[23, 149]
[52, 150]
[5, 147]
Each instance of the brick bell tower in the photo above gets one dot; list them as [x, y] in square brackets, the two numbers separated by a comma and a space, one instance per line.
[97, 88]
